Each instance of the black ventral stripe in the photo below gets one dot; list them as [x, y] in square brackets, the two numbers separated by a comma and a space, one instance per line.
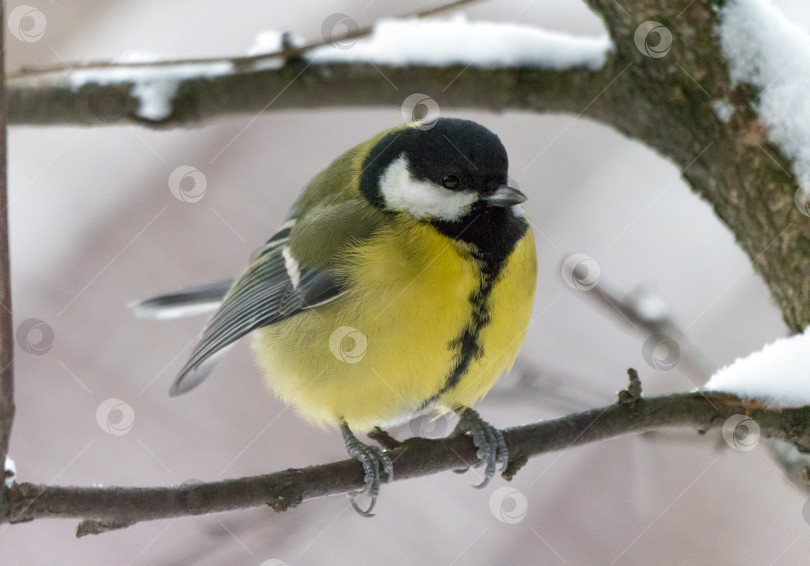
[493, 234]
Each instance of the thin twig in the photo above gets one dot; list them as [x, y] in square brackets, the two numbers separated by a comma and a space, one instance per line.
[632, 310]
[238, 62]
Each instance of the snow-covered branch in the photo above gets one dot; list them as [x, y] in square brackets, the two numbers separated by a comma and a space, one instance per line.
[447, 58]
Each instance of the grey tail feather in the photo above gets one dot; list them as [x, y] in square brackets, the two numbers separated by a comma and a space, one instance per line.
[186, 302]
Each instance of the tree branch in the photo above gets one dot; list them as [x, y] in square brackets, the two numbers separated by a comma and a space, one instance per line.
[107, 508]
[301, 84]
[668, 103]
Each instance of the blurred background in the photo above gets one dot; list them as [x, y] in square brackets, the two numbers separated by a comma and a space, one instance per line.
[94, 226]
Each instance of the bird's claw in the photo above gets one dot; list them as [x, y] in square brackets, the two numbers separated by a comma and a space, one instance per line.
[489, 441]
[373, 459]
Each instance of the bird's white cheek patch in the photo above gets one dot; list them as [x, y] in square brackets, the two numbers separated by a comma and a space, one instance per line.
[422, 199]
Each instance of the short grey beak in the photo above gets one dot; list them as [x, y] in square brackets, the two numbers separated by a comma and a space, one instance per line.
[504, 196]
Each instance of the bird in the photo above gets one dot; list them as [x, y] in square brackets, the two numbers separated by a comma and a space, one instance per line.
[400, 285]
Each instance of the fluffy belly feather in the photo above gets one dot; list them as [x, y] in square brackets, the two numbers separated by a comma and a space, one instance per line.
[377, 353]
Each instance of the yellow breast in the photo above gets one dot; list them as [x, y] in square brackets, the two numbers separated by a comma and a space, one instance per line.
[374, 355]
[510, 309]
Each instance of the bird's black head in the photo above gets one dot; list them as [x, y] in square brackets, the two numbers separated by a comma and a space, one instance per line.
[453, 174]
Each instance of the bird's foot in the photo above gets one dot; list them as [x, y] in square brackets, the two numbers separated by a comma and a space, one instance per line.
[373, 459]
[487, 439]
[384, 439]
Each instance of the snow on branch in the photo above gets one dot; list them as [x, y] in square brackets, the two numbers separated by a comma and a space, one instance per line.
[772, 54]
[148, 92]
[777, 374]
[456, 41]
[152, 89]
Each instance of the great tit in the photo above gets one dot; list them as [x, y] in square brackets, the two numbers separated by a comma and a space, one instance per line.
[401, 284]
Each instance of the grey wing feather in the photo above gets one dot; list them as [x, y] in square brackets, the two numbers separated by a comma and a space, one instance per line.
[196, 375]
[279, 238]
[263, 295]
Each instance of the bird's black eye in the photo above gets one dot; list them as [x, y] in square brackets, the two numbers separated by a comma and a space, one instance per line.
[450, 181]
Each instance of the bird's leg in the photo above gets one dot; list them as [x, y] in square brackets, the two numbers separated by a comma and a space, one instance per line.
[372, 458]
[487, 439]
